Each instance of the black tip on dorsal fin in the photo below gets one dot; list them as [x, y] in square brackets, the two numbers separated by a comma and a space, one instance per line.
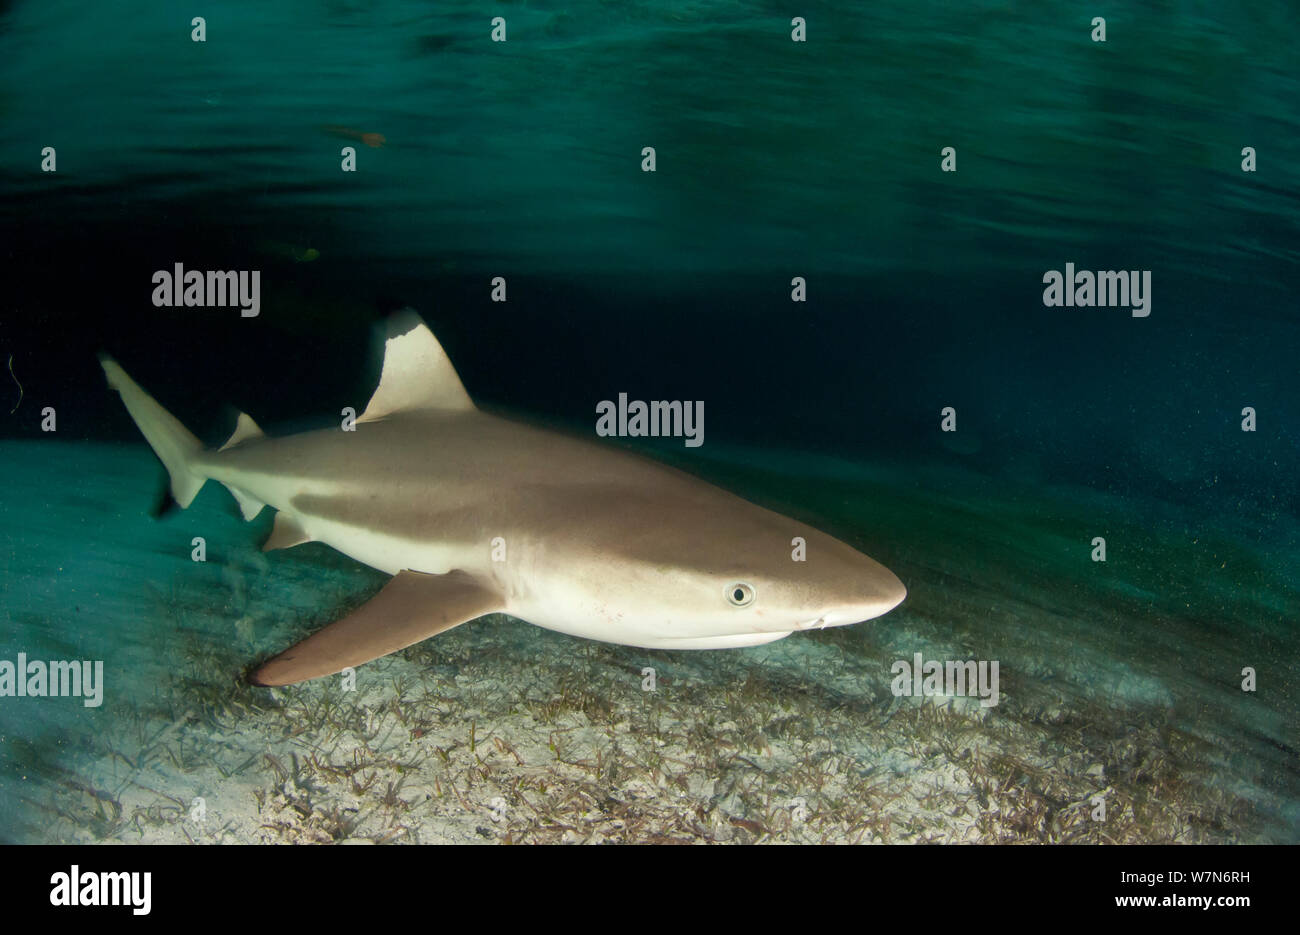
[416, 373]
[402, 321]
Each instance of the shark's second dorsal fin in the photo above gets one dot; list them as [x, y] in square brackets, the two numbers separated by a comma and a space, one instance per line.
[417, 372]
[245, 429]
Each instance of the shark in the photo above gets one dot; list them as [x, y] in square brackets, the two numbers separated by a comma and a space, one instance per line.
[474, 513]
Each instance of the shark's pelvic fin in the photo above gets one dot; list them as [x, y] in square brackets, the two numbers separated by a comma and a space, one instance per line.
[417, 373]
[245, 429]
[411, 607]
[171, 441]
[285, 534]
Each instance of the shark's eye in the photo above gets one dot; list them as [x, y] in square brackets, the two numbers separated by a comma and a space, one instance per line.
[740, 594]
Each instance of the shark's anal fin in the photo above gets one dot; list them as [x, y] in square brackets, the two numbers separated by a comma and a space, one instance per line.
[411, 607]
[285, 534]
[249, 506]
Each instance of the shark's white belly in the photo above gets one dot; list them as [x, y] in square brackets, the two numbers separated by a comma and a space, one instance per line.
[382, 551]
[571, 610]
[638, 639]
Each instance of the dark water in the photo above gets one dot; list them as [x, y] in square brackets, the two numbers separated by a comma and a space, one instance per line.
[775, 159]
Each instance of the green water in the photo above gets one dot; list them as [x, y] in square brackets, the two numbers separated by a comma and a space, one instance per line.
[774, 160]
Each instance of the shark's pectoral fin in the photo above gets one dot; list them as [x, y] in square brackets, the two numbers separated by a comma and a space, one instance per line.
[410, 608]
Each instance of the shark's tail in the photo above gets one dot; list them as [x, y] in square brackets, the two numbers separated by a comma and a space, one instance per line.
[171, 441]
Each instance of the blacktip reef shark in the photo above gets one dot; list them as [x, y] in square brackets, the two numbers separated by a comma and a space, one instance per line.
[598, 542]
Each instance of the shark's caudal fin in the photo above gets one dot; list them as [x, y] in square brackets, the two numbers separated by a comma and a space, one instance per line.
[170, 440]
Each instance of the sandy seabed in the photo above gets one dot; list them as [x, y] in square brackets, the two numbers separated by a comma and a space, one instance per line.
[501, 732]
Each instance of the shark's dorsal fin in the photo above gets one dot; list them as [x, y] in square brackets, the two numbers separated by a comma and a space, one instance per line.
[417, 373]
[245, 429]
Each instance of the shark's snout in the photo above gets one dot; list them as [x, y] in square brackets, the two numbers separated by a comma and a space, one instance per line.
[894, 591]
[883, 594]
